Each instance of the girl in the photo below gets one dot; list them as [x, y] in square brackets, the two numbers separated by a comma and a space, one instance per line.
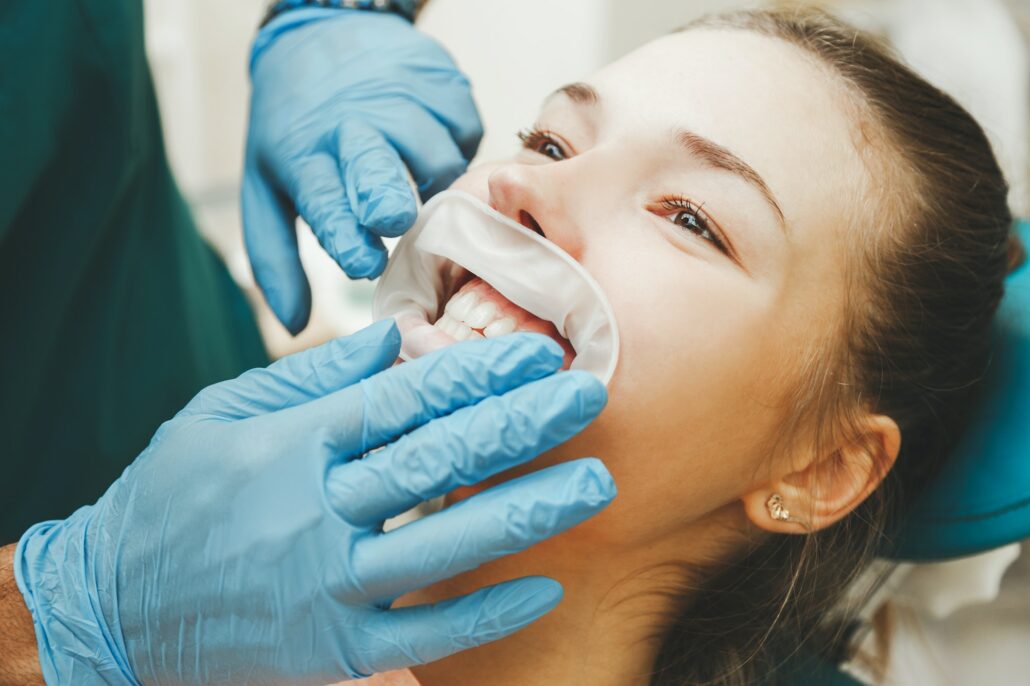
[804, 244]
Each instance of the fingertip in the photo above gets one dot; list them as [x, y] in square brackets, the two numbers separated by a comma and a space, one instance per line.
[374, 347]
[442, 179]
[389, 211]
[529, 356]
[544, 347]
[590, 391]
[298, 322]
[470, 133]
[512, 359]
[292, 307]
[389, 335]
[392, 331]
[544, 591]
[520, 602]
[463, 118]
[376, 180]
[362, 262]
[469, 145]
[384, 332]
[359, 254]
[595, 484]
[377, 270]
[271, 241]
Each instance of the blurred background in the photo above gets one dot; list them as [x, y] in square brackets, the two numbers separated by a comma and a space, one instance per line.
[514, 54]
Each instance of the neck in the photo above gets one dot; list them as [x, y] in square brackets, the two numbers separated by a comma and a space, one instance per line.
[605, 632]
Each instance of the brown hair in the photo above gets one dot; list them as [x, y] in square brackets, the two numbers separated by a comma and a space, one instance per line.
[913, 343]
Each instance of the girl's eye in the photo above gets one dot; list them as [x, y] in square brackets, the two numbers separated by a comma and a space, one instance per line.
[689, 216]
[542, 142]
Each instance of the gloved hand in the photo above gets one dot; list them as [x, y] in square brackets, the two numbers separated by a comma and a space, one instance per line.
[244, 545]
[342, 101]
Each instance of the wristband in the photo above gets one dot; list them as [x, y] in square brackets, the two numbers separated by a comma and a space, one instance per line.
[406, 8]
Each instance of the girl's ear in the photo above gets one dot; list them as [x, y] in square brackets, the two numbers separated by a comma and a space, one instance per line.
[831, 486]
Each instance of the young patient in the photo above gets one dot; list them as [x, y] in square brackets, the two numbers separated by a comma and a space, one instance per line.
[804, 245]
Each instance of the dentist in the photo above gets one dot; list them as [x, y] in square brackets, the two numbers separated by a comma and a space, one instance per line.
[244, 544]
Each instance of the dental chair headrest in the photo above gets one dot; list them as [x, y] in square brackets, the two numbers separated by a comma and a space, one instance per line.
[981, 498]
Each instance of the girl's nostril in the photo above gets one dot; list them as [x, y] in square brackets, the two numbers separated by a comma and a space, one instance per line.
[526, 219]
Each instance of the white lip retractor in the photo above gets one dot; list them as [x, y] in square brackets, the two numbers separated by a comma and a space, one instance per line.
[457, 233]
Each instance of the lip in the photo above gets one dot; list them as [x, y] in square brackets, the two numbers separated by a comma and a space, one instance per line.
[453, 276]
[458, 238]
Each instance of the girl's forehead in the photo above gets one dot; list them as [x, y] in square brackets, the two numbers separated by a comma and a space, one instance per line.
[767, 101]
[713, 56]
[732, 82]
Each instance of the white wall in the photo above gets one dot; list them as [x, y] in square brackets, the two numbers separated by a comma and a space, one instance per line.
[515, 53]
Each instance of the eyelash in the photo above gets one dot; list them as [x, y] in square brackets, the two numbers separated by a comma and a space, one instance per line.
[681, 205]
[532, 138]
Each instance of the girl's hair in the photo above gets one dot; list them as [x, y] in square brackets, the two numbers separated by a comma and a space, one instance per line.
[913, 343]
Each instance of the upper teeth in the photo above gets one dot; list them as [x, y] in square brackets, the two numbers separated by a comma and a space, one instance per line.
[459, 331]
[502, 326]
[467, 311]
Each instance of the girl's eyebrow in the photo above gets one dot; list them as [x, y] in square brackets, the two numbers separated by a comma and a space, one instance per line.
[579, 92]
[721, 158]
[708, 150]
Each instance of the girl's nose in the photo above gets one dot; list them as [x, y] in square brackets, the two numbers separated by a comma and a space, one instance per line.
[531, 195]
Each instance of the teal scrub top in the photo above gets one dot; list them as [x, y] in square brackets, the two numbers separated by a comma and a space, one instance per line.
[114, 312]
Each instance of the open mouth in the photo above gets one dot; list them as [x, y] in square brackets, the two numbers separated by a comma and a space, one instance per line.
[475, 309]
[465, 271]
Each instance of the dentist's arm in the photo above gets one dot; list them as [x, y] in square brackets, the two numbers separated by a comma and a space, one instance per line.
[345, 103]
[245, 544]
[19, 659]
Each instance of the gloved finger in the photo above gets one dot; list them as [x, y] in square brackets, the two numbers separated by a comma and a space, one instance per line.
[317, 190]
[464, 448]
[271, 239]
[375, 178]
[462, 119]
[426, 146]
[500, 521]
[447, 95]
[424, 633]
[301, 377]
[411, 394]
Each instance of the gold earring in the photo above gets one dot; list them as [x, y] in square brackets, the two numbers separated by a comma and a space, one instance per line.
[776, 509]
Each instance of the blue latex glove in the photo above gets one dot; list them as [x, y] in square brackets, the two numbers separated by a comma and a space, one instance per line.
[244, 545]
[342, 101]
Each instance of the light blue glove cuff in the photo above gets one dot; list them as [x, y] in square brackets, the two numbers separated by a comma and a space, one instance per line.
[287, 21]
[61, 594]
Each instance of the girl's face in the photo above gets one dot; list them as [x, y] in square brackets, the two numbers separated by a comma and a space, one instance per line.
[705, 181]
